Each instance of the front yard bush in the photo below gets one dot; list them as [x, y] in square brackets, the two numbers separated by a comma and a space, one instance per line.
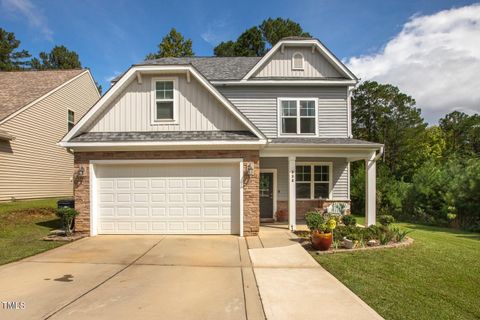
[349, 220]
[67, 215]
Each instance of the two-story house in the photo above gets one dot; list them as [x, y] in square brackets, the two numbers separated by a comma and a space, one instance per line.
[212, 145]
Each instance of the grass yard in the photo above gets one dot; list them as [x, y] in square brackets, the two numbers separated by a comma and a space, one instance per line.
[22, 226]
[438, 277]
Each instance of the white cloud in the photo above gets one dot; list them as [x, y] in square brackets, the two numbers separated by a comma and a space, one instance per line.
[215, 31]
[30, 12]
[435, 59]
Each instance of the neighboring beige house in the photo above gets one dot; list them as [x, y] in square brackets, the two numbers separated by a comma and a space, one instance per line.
[37, 108]
[212, 145]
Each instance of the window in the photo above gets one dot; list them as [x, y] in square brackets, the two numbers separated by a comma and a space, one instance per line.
[70, 119]
[298, 116]
[164, 100]
[297, 61]
[313, 181]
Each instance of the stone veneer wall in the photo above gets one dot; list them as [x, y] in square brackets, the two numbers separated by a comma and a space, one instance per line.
[251, 207]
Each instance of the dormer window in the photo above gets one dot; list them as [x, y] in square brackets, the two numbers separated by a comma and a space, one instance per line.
[297, 61]
[164, 100]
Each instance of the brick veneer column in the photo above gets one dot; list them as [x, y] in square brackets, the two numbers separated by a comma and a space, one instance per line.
[251, 200]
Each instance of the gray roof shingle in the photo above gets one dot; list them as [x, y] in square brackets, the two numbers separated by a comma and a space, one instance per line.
[164, 136]
[213, 68]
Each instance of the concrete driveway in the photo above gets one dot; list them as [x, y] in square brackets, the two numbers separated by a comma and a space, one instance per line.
[135, 277]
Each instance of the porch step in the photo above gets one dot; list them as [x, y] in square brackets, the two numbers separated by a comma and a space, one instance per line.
[267, 220]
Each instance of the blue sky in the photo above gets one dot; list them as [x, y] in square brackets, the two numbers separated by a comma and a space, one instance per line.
[111, 35]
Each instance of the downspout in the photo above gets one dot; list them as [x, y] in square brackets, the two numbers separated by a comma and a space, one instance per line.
[379, 154]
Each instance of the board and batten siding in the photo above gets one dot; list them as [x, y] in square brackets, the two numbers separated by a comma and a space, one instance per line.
[314, 65]
[33, 165]
[259, 104]
[198, 110]
[340, 182]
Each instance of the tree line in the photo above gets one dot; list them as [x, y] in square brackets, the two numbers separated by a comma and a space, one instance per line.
[429, 174]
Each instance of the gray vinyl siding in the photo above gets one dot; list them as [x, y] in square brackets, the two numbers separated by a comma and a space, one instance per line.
[315, 65]
[340, 175]
[198, 110]
[259, 104]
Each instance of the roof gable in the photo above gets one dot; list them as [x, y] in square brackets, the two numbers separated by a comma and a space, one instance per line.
[136, 72]
[21, 88]
[315, 65]
[335, 65]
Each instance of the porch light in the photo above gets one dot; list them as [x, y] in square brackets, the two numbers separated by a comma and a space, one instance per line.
[81, 171]
[250, 170]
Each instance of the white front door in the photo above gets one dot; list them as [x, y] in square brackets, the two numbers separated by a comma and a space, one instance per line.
[184, 198]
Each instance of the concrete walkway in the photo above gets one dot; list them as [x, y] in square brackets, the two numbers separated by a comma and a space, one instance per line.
[293, 285]
[135, 277]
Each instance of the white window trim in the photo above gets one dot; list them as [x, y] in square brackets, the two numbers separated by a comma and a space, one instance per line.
[153, 112]
[298, 134]
[68, 119]
[312, 179]
[303, 61]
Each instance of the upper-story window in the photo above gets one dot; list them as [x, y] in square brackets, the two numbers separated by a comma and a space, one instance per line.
[297, 116]
[70, 119]
[165, 100]
[297, 61]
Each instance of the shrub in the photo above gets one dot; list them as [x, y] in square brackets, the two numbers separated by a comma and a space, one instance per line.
[386, 220]
[320, 222]
[349, 220]
[314, 220]
[67, 215]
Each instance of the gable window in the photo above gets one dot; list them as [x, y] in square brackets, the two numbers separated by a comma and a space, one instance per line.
[164, 104]
[70, 119]
[298, 116]
[313, 181]
[297, 61]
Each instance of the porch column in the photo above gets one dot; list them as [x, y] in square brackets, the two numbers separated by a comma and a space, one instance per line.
[292, 215]
[370, 190]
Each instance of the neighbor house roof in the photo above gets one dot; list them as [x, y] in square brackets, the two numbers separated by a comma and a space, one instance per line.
[164, 136]
[20, 88]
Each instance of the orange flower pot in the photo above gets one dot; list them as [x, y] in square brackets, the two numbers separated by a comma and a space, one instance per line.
[322, 241]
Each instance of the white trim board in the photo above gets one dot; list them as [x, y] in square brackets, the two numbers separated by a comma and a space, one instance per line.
[131, 74]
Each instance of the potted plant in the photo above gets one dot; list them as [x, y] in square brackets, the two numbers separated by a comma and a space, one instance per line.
[321, 227]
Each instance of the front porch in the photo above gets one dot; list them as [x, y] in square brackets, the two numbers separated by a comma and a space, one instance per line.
[292, 185]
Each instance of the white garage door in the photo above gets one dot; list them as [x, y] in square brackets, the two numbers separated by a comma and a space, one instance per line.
[168, 199]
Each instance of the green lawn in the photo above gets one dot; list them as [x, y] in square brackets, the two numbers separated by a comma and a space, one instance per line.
[438, 277]
[22, 226]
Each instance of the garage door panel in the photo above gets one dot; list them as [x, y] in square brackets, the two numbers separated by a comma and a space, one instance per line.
[175, 199]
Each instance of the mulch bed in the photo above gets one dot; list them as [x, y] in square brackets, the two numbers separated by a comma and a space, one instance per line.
[73, 237]
[405, 243]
